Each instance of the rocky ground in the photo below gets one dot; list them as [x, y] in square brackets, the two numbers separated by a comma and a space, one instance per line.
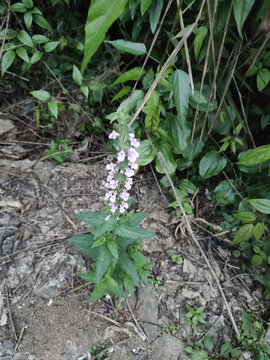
[42, 317]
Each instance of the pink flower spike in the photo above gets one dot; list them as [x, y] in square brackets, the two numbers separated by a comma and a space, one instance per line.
[121, 155]
[113, 135]
[129, 172]
[132, 155]
[107, 217]
[134, 142]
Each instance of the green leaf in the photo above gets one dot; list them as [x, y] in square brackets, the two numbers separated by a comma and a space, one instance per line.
[245, 216]
[195, 354]
[145, 5]
[104, 260]
[211, 164]
[263, 78]
[99, 242]
[128, 46]
[125, 90]
[21, 52]
[88, 276]
[91, 218]
[187, 186]
[77, 76]
[136, 218]
[261, 205]
[208, 343]
[181, 87]
[36, 11]
[152, 111]
[177, 259]
[154, 14]
[128, 283]
[36, 57]
[18, 7]
[224, 194]
[241, 9]
[83, 243]
[259, 230]
[50, 46]
[146, 153]
[7, 60]
[9, 34]
[200, 34]
[41, 95]
[28, 3]
[25, 38]
[243, 234]
[85, 90]
[107, 227]
[28, 19]
[180, 133]
[165, 153]
[40, 39]
[101, 15]
[53, 108]
[226, 349]
[133, 233]
[112, 246]
[126, 264]
[131, 74]
[256, 156]
[40, 21]
[256, 260]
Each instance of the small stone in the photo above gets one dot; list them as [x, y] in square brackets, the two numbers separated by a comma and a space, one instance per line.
[5, 126]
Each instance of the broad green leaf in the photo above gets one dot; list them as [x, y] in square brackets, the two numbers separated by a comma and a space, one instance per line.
[165, 153]
[132, 102]
[181, 87]
[100, 290]
[263, 78]
[36, 57]
[114, 288]
[36, 11]
[194, 149]
[137, 218]
[145, 5]
[154, 14]
[77, 76]
[25, 38]
[7, 60]
[101, 15]
[53, 108]
[91, 218]
[40, 39]
[10, 34]
[243, 234]
[226, 349]
[88, 276]
[107, 227]
[104, 260]
[28, 3]
[18, 7]
[146, 153]
[208, 343]
[83, 243]
[128, 46]
[28, 19]
[187, 186]
[180, 133]
[261, 205]
[200, 34]
[195, 354]
[99, 242]
[211, 164]
[85, 90]
[41, 95]
[126, 264]
[128, 284]
[196, 97]
[245, 216]
[224, 193]
[133, 233]
[152, 111]
[241, 9]
[177, 259]
[124, 91]
[259, 230]
[39, 20]
[131, 74]
[22, 53]
[112, 246]
[50, 46]
[256, 260]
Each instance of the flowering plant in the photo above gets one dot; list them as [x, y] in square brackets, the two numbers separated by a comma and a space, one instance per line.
[114, 243]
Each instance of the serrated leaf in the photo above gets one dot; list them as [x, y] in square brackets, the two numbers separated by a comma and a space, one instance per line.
[83, 243]
[39, 20]
[241, 9]
[124, 91]
[104, 260]
[211, 164]
[259, 230]
[137, 218]
[51, 45]
[126, 264]
[107, 227]
[99, 242]
[243, 234]
[101, 15]
[128, 46]
[41, 95]
[77, 76]
[25, 38]
[154, 14]
[128, 284]
[145, 5]
[28, 19]
[88, 276]
[131, 74]
[261, 205]
[200, 34]
[100, 290]
[18, 7]
[91, 218]
[112, 246]
[133, 233]
[22, 53]
[245, 216]
[53, 108]
[7, 60]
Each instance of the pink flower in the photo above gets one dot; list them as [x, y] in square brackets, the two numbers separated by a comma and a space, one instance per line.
[132, 155]
[129, 172]
[122, 209]
[107, 217]
[113, 199]
[133, 165]
[113, 208]
[121, 156]
[113, 135]
[124, 195]
[108, 195]
[134, 142]
[131, 136]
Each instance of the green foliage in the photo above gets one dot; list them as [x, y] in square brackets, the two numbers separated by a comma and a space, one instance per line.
[172, 330]
[59, 150]
[195, 316]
